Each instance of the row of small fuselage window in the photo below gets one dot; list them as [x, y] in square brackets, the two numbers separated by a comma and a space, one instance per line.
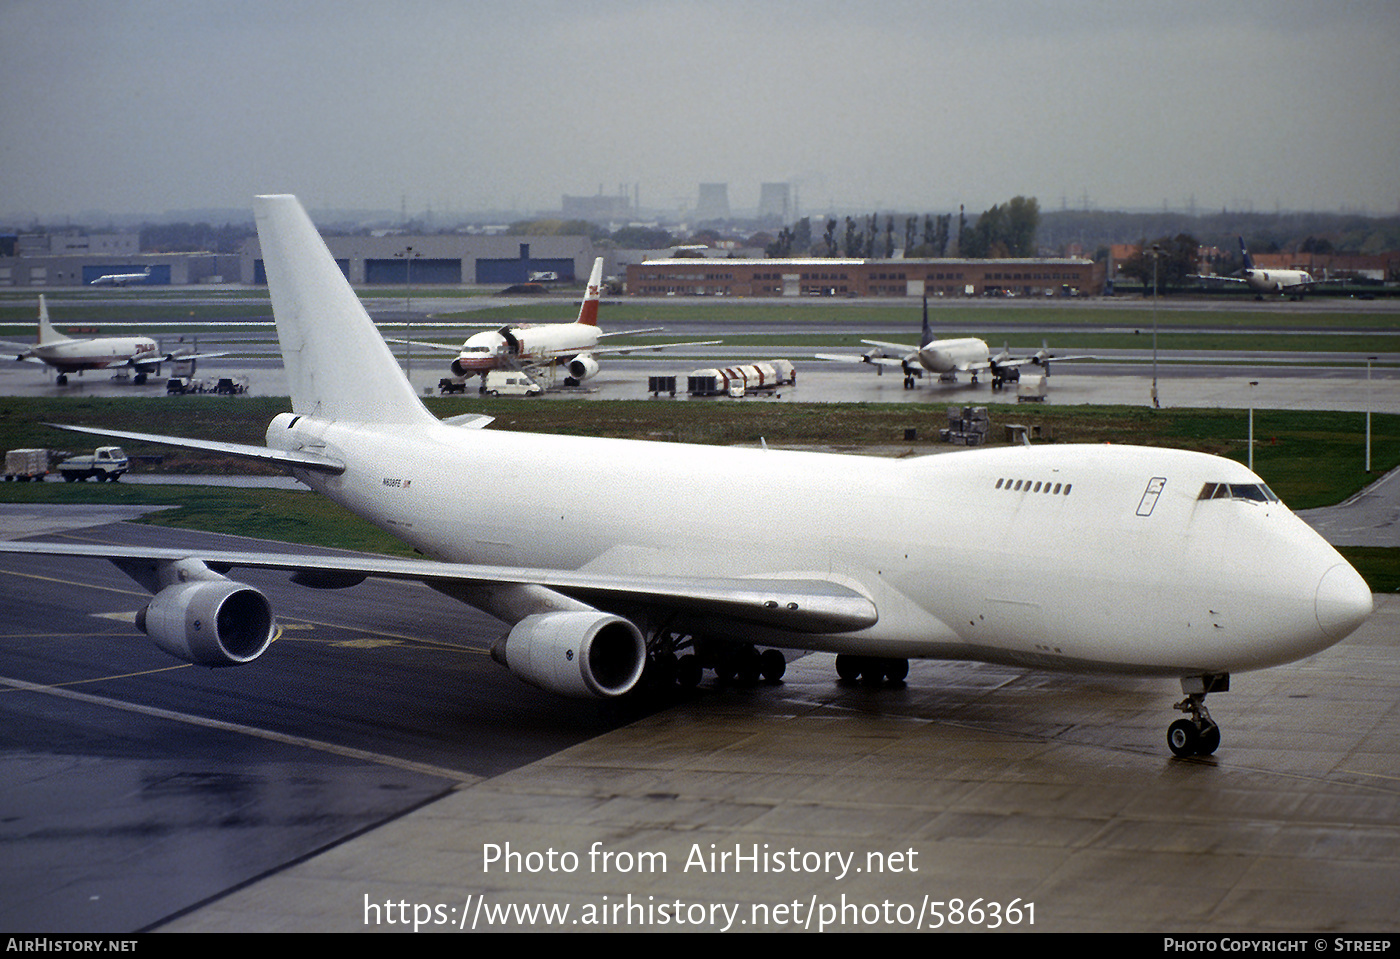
[1252, 492]
[1038, 486]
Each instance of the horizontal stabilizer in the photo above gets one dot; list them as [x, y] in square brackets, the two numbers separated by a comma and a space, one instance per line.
[281, 458]
[471, 421]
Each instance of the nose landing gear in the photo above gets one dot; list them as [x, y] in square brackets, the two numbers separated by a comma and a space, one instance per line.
[1199, 735]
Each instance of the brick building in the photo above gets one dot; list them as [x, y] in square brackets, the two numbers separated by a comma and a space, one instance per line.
[855, 277]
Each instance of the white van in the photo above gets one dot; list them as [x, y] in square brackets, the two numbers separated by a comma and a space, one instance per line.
[503, 383]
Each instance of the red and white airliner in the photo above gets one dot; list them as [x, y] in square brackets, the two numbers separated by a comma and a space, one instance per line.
[533, 348]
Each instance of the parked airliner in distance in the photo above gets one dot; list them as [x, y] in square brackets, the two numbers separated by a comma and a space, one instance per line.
[1283, 282]
[67, 355]
[610, 559]
[122, 279]
[948, 358]
[533, 348]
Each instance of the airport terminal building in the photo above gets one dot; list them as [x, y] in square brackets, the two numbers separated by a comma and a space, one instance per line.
[1070, 276]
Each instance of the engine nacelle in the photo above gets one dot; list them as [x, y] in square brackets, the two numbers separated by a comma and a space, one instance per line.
[211, 622]
[582, 366]
[583, 654]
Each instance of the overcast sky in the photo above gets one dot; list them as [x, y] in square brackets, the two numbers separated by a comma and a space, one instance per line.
[152, 105]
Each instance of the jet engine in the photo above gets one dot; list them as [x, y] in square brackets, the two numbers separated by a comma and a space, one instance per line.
[585, 653]
[582, 366]
[209, 622]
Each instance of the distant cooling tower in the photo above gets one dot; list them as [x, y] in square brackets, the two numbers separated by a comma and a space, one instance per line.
[774, 200]
[714, 202]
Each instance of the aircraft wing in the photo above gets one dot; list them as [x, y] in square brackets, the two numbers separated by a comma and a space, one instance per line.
[1036, 360]
[182, 357]
[281, 458]
[619, 350]
[900, 351]
[445, 347]
[450, 348]
[854, 358]
[23, 354]
[1217, 279]
[899, 355]
[652, 329]
[1062, 359]
[808, 605]
[1326, 281]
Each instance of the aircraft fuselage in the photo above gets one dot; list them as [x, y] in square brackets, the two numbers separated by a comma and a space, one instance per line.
[524, 345]
[1018, 555]
[950, 356]
[95, 354]
[1277, 281]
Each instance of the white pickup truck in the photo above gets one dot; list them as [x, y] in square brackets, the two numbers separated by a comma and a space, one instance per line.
[105, 463]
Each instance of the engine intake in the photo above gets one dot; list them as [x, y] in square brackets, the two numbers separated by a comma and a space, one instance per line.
[579, 653]
[212, 622]
[582, 367]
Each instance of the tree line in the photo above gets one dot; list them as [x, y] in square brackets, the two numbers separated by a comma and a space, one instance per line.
[1004, 230]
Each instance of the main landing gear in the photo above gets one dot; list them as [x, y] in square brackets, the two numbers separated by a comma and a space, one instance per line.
[738, 663]
[1199, 735]
[872, 669]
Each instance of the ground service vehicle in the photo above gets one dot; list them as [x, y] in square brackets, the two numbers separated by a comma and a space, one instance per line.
[105, 463]
[27, 464]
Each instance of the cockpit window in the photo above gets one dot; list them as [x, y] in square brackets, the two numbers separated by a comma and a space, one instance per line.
[1250, 492]
[1256, 492]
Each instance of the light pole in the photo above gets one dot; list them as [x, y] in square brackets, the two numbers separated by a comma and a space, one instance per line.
[1369, 359]
[408, 256]
[1156, 254]
[1252, 384]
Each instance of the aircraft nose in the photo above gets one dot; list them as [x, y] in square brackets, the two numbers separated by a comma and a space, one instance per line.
[1343, 601]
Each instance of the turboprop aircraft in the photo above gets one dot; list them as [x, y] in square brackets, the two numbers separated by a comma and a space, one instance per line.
[67, 355]
[606, 558]
[948, 358]
[531, 348]
[1282, 282]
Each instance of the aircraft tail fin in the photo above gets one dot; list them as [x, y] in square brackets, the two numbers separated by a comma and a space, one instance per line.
[588, 311]
[927, 336]
[47, 334]
[338, 366]
[1245, 257]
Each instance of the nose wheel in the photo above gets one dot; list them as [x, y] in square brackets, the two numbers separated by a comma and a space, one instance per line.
[1199, 735]
[1186, 737]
